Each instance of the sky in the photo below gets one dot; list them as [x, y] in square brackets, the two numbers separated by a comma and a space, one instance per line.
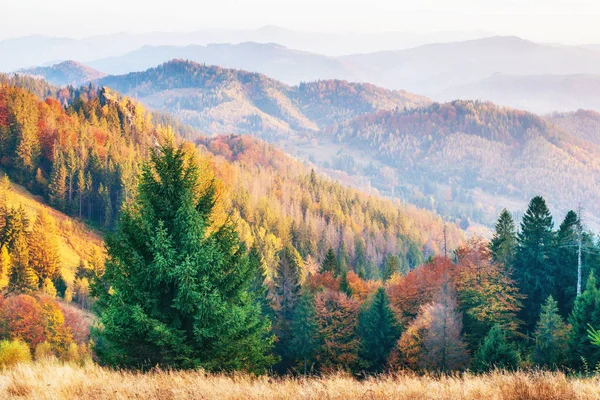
[564, 21]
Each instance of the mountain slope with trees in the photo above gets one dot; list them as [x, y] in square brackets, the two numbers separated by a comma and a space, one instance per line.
[465, 153]
[220, 100]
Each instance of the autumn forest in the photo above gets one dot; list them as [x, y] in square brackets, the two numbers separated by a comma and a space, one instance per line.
[218, 226]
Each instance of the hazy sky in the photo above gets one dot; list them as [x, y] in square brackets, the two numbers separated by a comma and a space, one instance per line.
[567, 21]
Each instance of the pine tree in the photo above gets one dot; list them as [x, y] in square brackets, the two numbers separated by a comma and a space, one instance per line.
[343, 259]
[22, 277]
[496, 352]
[5, 267]
[391, 267]
[178, 284]
[534, 271]
[566, 262]
[551, 337]
[304, 325]
[378, 330]
[586, 312]
[258, 285]
[58, 182]
[345, 285]
[17, 224]
[4, 210]
[330, 263]
[286, 292]
[504, 242]
[44, 253]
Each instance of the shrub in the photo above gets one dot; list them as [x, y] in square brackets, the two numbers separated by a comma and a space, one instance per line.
[72, 354]
[13, 352]
[43, 351]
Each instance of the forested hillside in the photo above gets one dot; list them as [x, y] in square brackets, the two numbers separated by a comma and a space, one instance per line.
[220, 100]
[84, 159]
[227, 254]
[467, 156]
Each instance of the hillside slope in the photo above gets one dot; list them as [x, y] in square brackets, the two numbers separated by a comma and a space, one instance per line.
[91, 151]
[477, 157]
[77, 241]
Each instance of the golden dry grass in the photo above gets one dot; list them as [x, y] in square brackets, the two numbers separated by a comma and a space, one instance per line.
[52, 380]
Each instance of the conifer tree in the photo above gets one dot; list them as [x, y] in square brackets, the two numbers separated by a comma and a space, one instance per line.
[567, 239]
[391, 267]
[343, 258]
[178, 284]
[17, 224]
[304, 325]
[44, 253]
[345, 285]
[330, 263]
[551, 337]
[22, 277]
[378, 330]
[534, 271]
[286, 292]
[504, 242]
[586, 312]
[58, 182]
[496, 352]
[258, 285]
[5, 267]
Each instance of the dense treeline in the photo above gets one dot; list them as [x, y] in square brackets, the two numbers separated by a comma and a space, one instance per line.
[278, 201]
[83, 159]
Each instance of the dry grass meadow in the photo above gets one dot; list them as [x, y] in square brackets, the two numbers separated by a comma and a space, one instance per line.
[53, 380]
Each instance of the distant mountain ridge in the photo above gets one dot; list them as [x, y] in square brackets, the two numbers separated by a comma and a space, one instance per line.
[26, 52]
[537, 93]
[66, 73]
[222, 100]
[434, 68]
[287, 65]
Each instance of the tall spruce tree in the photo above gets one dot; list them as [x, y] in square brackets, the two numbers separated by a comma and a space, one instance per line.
[586, 312]
[391, 266]
[304, 325]
[22, 278]
[178, 284]
[5, 267]
[258, 285]
[330, 263]
[567, 239]
[551, 337]
[534, 270]
[504, 242]
[287, 284]
[379, 331]
[44, 252]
